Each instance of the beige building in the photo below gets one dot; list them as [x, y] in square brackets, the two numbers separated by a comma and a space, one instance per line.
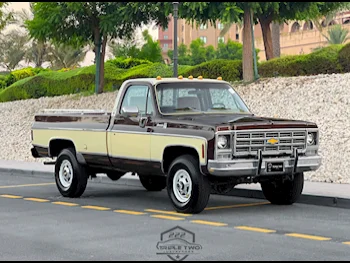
[297, 37]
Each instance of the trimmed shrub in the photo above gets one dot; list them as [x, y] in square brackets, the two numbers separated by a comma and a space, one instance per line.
[230, 70]
[344, 58]
[78, 80]
[322, 61]
[126, 63]
[17, 75]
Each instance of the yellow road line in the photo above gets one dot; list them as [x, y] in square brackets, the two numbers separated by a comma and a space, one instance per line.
[346, 243]
[168, 217]
[65, 203]
[12, 196]
[166, 212]
[36, 200]
[236, 206]
[24, 185]
[256, 229]
[308, 236]
[202, 222]
[129, 212]
[100, 208]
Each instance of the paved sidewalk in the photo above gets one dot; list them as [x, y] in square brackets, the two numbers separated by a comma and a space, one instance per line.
[325, 193]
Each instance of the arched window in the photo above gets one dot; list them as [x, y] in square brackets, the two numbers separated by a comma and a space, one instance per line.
[295, 27]
[308, 25]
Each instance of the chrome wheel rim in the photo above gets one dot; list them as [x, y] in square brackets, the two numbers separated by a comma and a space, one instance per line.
[66, 174]
[182, 186]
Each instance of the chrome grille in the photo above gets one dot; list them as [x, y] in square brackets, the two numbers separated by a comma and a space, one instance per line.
[247, 143]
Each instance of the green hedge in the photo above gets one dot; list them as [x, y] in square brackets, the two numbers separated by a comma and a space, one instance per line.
[322, 61]
[126, 63]
[344, 58]
[78, 80]
[229, 70]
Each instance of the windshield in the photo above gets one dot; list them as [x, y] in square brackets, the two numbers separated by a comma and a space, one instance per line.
[196, 97]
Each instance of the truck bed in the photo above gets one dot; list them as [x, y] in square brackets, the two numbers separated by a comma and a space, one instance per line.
[67, 125]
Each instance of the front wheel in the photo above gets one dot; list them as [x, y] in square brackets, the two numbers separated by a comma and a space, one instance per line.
[284, 192]
[188, 189]
[70, 176]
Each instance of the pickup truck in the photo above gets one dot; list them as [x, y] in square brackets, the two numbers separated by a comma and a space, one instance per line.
[192, 136]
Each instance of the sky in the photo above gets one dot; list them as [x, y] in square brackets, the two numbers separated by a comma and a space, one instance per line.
[18, 6]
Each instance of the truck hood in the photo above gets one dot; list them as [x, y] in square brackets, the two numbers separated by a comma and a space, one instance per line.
[242, 121]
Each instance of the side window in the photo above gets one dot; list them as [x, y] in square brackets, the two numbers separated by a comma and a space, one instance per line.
[139, 96]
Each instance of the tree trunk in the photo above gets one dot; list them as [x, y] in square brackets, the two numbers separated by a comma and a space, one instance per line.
[267, 36]
[276, 45]
[248, 71]
[102, 64]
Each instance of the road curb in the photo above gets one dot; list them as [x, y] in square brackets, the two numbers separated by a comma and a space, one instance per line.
[238, 192]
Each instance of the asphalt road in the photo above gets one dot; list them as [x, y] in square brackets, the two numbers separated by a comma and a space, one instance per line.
[115, 222]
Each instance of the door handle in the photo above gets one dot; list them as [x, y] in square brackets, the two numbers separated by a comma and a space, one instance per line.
[150, 130]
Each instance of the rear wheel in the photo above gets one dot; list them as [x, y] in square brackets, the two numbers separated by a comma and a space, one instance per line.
[284, 192]
[188, 189]
[153, 183]
[70, 176]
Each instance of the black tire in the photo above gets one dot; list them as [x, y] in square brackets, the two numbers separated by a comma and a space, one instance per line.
[153, 183]
[80, 175]
[114, 176]
[201, 189]
[284, 193]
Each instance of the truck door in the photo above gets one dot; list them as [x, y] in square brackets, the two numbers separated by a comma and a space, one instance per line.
[129, 142]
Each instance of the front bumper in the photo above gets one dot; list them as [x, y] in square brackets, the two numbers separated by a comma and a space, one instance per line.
[258, 166]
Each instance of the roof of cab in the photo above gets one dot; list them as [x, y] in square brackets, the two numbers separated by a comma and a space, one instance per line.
[154, 81]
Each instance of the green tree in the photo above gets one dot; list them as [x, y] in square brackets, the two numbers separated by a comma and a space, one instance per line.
[12, 49]
[229, 50]
[151, 50]
[198, 51]
[79, 23]
[62, 56]
[184, 57]
[210, 53]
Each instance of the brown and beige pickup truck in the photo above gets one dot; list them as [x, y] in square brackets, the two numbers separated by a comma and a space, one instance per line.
[192, 136]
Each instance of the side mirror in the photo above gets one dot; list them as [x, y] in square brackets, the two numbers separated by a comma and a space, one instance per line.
[130, 111]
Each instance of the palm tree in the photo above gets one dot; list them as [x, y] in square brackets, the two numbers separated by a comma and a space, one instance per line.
[37, 51]
[12, 49]
[337, 35]
[62, 56]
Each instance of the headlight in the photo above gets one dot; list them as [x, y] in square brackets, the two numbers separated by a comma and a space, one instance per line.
[222, 142]
[311, 138]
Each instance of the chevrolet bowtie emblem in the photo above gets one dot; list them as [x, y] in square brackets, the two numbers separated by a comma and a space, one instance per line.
[272, 141]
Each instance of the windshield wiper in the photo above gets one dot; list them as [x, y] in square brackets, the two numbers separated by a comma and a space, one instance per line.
[186, 108]
[219, 108]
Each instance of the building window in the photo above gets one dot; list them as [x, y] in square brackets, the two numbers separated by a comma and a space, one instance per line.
[204, 39]
[165, 46]
[203, 26]
[237, 36]
[182, 28]
[166, 29]
[165, 36]
[182, 40]
[220, 26]
[221, 40]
